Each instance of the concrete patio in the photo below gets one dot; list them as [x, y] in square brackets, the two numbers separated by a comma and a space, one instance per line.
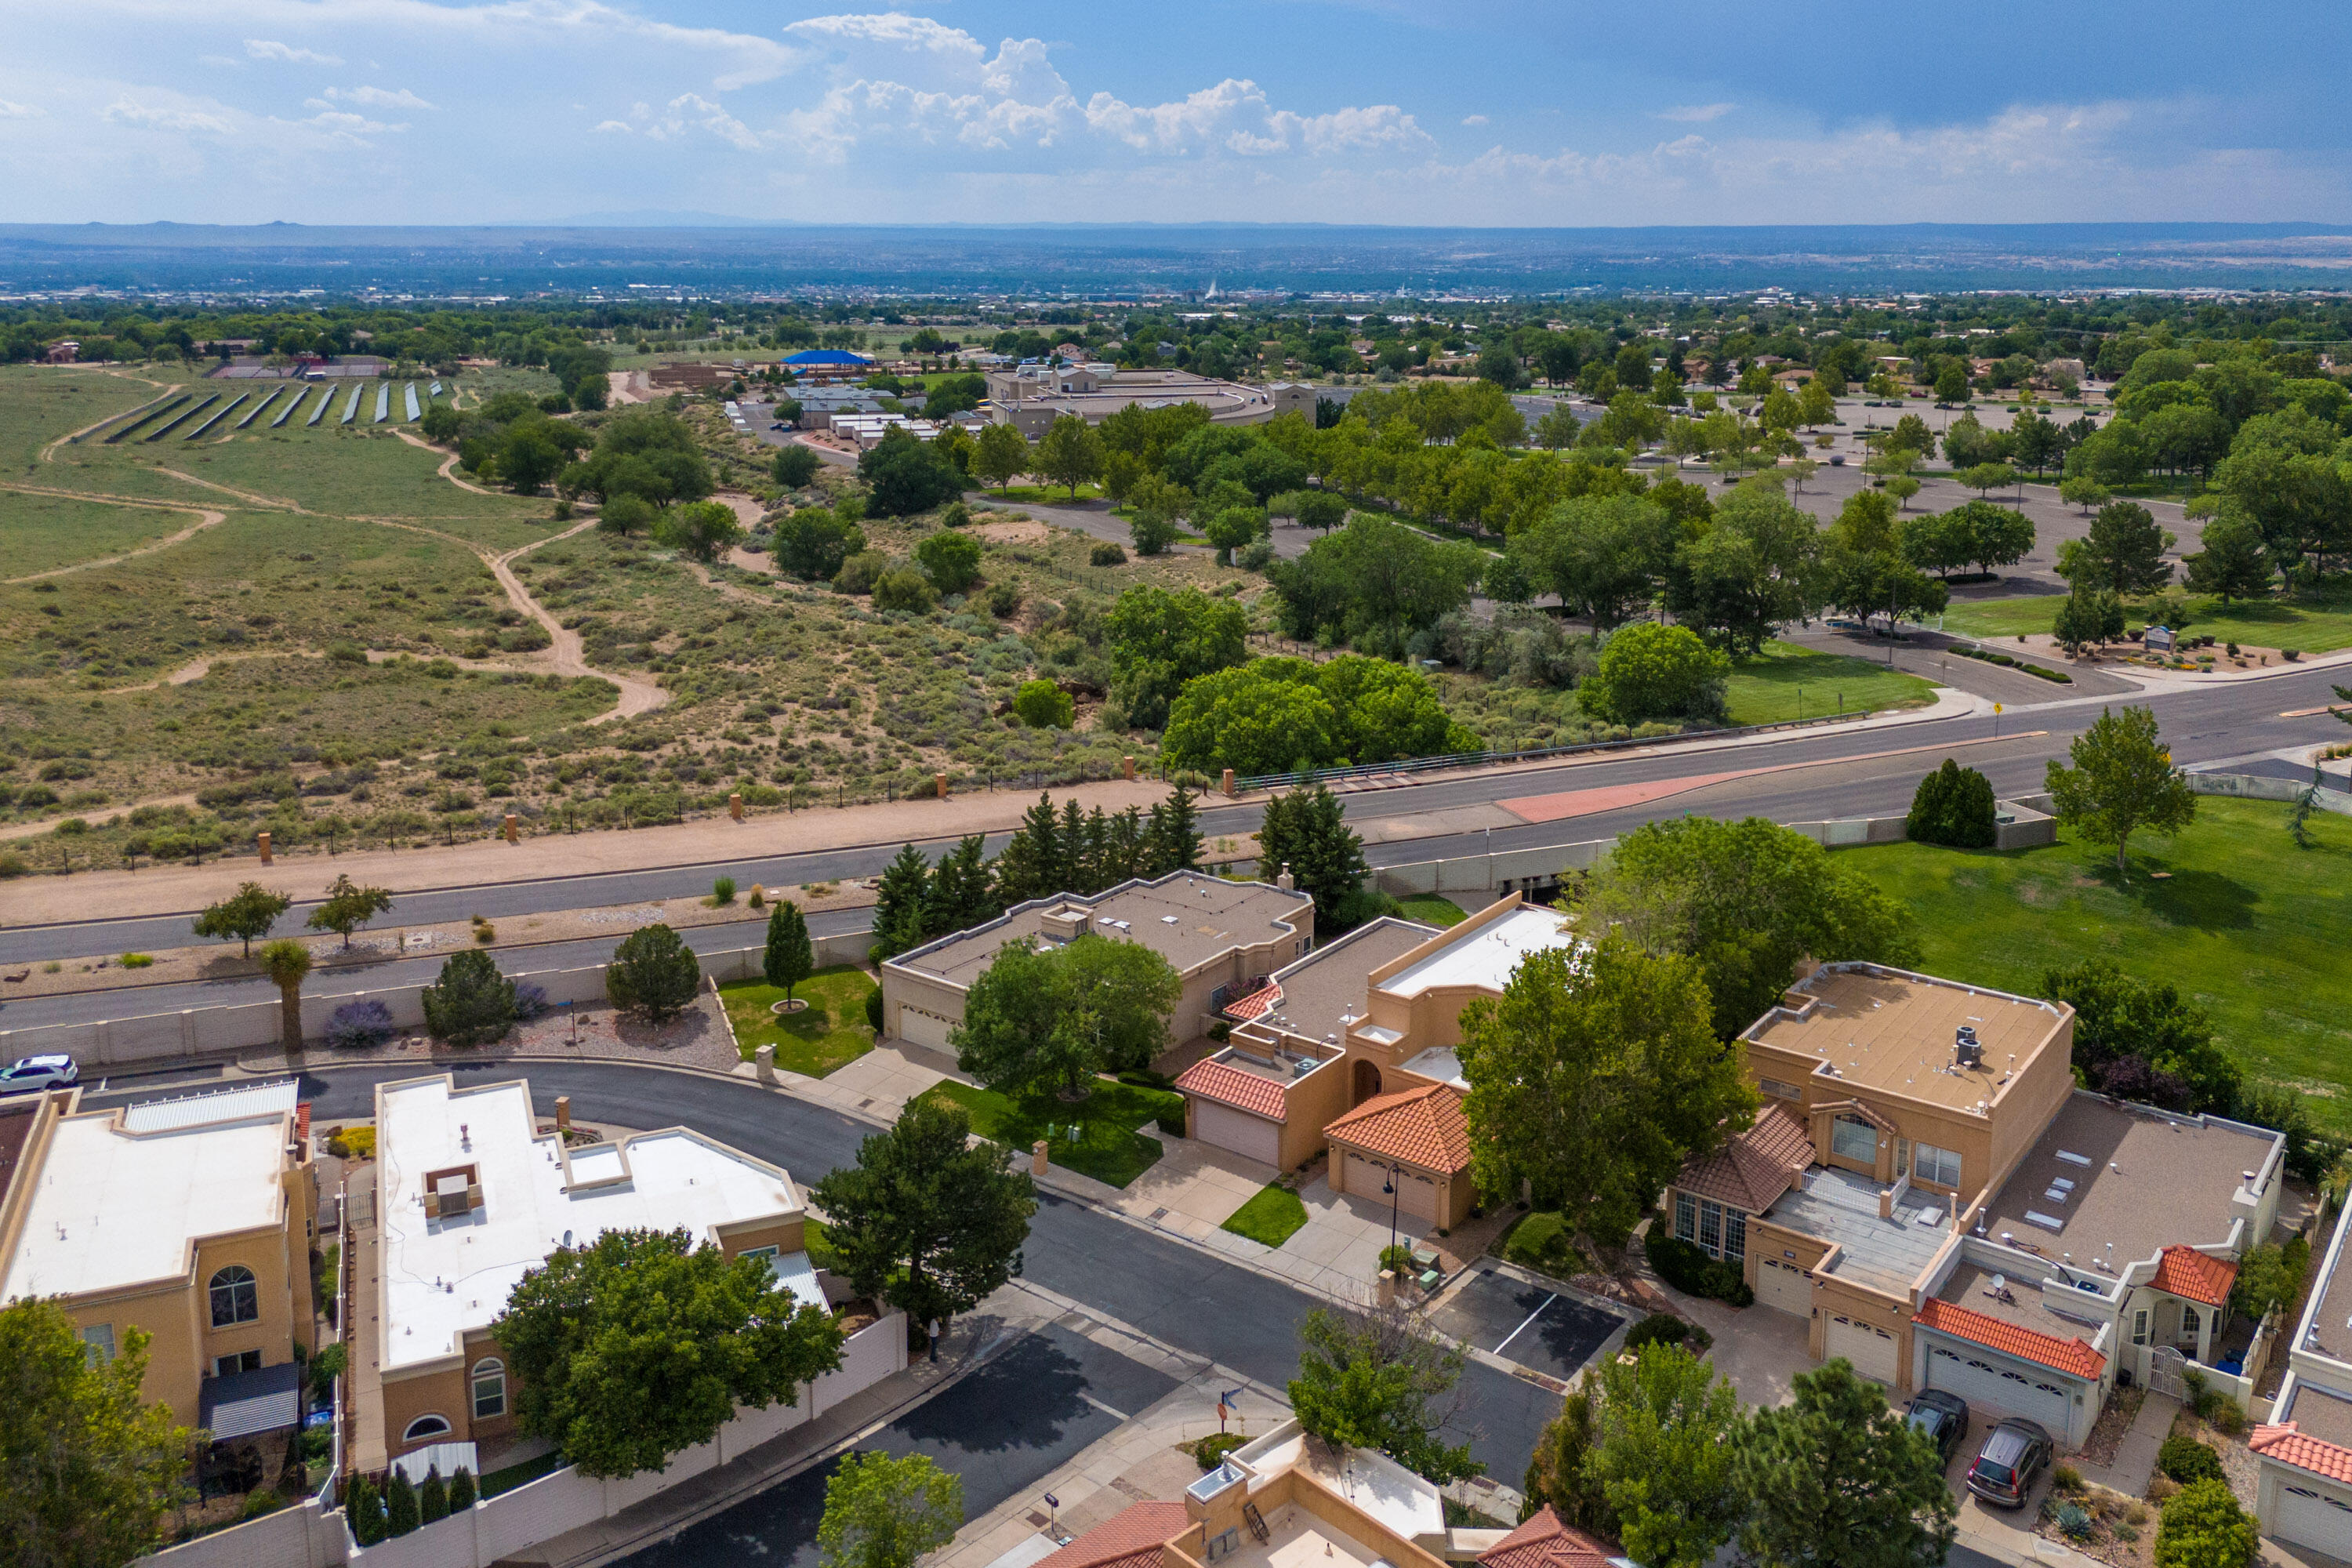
[1194, 1188]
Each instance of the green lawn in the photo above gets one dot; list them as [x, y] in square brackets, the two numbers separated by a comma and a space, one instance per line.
[1434, 911]
[1097, 1137]
[2317, 622]
[1541, 1240]
[1268, 1219]
[2254, 927]
[48, 532]
[1790, 682]
[830, 1031]
[523, 1473]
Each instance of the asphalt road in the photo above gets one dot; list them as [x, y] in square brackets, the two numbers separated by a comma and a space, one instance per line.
[1197, 1303]
[1842, 777]
[1002, 1429]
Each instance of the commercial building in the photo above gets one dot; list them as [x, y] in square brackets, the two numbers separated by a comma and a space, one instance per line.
[471, 1195]
[1352, 1049]
[1926, 1187]
[2304, 1449]
[190, 1219]
[1030, 397]
[1221, 938]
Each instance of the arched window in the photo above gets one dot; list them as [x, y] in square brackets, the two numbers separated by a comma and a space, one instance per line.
[425, 1427]
[237, 1299]
[490, 1388]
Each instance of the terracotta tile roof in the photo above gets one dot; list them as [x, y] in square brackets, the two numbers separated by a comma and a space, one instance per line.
[2185, 1271]
[1755, 1167]
[1543, 1541]
[1421, 1126]
[1231, 1086]
[1131, 1538]
[2070, 1356]
[2288, 1446]
[1241, 1009]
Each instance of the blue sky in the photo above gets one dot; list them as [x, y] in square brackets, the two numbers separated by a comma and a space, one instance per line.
[1441, 111]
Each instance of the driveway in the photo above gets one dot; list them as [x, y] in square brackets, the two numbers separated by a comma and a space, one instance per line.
[1530, 1324]
[1015, 1420]
[1336, 1251]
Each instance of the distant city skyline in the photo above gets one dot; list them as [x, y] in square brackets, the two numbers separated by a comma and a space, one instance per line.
[1505, 112]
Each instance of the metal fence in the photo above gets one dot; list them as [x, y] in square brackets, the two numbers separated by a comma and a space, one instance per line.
[1488, 759]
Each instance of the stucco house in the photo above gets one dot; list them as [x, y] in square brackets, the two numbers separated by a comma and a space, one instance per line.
[2304, 1447]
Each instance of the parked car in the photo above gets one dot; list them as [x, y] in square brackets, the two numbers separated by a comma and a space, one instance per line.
[1943, 1417]
[2012, 1454]
[25, 1076]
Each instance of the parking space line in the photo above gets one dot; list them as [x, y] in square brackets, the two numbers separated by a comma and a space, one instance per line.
[1530, 1318]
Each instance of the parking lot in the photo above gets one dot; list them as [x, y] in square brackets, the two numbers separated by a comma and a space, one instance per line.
[1530, 1324]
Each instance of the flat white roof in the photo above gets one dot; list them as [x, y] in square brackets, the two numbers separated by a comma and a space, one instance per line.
[1442, 1063]
[1484, 957]
[443, 1277]
[115, 1209]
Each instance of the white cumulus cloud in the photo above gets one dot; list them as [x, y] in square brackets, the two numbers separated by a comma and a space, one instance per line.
[378, 97]
[1697, 113]
[1474, 120]
[149, 117]
[612, 125]
[10, 111]
[271, 49]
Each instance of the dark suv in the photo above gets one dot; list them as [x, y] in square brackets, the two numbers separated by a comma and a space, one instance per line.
[1943, 1417]
[2013, 1453]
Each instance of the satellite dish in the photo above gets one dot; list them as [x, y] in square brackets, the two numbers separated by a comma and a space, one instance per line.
[1999, 1283]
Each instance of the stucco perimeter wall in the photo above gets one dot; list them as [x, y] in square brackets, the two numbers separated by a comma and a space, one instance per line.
[513, 1523]
[208, 1031]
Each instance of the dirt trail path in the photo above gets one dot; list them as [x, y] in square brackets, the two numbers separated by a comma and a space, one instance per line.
[566, 651]
[448, 469]
[49, 451]
[206, 518]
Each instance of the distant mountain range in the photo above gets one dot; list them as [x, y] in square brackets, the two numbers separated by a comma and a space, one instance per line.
[708, 253]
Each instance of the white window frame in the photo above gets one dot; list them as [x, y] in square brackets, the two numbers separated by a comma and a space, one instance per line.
[243, 1290]
[2192, 1321]
[418, 1431]
[1710, 1227]
[1846, 1128]
[492, 1373]
[2139, 1326]
[1938, 1167]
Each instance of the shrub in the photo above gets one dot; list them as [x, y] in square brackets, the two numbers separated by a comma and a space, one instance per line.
[874, 1009]
[138, 960]
[861, 572]
[461, 1491]
[653, 972]
[2203, 1527]
[1397, 1259]
[796, 466]
[2290, 654]
[2074, 1520]
[1106, 554]
[400, 1512]
[471, 1004]
[952, 560]
[1004, 601]
[530, 1000]
[1652, 672]
[722, 892]
[1211, 1451]
[1693, 1272]
[904, 588]
[355, 1026]
[2066, 1479]
[1657, 1329]
[2186, 1460]
[956, 515]
[1042, 705]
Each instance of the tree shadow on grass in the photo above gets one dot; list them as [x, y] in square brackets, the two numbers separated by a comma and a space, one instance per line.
[2202, 899]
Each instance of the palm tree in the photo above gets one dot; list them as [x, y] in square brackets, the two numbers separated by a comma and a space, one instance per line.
[287, 963]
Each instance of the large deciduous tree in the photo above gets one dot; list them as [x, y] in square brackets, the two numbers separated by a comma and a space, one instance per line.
[1381, 1379]
[642, 1343]
[1160, 641]
[925, 1219]
[1592, 1078]
[1748, 900]
[1070, 452]
[887, 1512]
[88, 1470]
[1652, 672]
[1041, 1018]
[2121, 781]
[1665, 1432]
[1835, 1479]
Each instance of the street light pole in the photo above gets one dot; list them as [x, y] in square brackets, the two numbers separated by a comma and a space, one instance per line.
[1389, 1184]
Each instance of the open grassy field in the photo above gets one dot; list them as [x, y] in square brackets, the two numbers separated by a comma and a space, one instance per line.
[1790, 682]
[1097, 1137]
[2254, 928]
[2317, 621]
[830, 1031]
[39, 534]
[37, 405]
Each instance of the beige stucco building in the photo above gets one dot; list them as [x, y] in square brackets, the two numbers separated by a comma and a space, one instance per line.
[1031, 397]
[1926, 1187]
[189, 1219]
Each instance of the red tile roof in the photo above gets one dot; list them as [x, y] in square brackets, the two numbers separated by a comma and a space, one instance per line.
[2185, 1271]
[1231, 1086]
[1543, 1541]
[1755, 1167]
[2070, 1356]
[1131, 1538]
[1421, 1126]
[1241, 1009]
[2283, 1443]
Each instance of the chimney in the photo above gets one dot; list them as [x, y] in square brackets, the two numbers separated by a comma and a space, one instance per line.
[1284, 881]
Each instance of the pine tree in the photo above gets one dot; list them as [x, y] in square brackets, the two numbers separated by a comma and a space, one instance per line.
[899, 909]
[1173, 839]
[961, 897]
[433, 1499]
[1101, 870]
[788, 960]
[1305, 831]
[400, 1512]
[1032, 865]
[1127, 856]
[461, 1491]
[364, 1508]
[1072, 838]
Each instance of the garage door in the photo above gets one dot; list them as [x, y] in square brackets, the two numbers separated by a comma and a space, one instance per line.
[1416, 1196]
[2310, 1517]
[1253, 1137]
[1869, 1347]
[918, 1028]
[1784, 1286]
[2013, 1387]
